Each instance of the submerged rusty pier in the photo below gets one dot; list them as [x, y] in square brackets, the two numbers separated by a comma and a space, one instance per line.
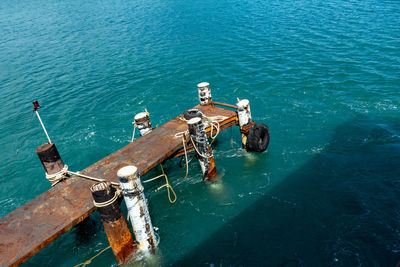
[28, 229]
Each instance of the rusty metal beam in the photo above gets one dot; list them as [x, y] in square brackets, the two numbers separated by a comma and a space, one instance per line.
[30, 228]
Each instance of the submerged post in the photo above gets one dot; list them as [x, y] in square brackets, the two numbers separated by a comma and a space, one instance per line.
[105, 198]
[204, 93]
[136, 203]
[203, 148]
[143, 123]
[245, 121]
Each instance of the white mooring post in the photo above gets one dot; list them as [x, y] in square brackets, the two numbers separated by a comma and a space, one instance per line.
[245, 120]
[136, 203]
[143, 123]
[204, 93]
[203, 148]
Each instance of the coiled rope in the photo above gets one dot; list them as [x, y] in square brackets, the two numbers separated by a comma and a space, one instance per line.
[108, 202]
[58, 176]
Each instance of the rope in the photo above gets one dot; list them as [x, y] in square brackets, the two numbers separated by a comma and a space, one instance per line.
[90, 177]
[217, 128]
[108, 202]
[61, 175]
[201, 155]
[167, 185]
[134, 130]
[57, 177]
[182, 135]
[239, 152]
[92, 258]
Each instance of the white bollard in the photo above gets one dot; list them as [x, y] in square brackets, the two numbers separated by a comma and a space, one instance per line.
[204, 93]
[143, 123]
[136, 203]
[245, 120]
[244, 112]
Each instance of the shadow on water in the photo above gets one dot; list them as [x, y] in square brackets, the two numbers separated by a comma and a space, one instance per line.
[340, 209]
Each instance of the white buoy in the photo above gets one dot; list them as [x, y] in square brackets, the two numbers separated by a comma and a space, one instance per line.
[143, 123]
[245, 120]
[204, 93]
[136, 203]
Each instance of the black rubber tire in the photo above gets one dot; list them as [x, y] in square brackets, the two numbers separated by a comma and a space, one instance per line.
[258, 138]
[192, 113]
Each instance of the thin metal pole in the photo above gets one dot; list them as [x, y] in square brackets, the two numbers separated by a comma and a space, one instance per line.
[224, 104]
[44, 129]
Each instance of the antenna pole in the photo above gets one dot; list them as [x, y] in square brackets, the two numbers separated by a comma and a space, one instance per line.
[35, 108]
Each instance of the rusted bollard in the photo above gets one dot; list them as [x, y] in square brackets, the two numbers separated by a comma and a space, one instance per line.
[143, 123]
[245, 121]
[200, 141]
[204, 93]
[120, 238]
[52, 162]
[136, 202]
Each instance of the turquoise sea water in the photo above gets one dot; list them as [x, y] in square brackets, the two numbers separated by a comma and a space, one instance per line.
[323, 75]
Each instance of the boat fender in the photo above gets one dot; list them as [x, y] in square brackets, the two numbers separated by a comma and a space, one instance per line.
[192, 113]
[258, 138]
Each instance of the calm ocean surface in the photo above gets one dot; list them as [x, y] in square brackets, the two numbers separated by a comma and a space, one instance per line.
[323, 75]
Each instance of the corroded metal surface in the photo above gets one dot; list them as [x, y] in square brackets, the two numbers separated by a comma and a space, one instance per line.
[28, 229]
[120, 239]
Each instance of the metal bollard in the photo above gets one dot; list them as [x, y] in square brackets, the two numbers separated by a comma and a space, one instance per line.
[51, 160]
[120, 238]
[200, 141]
[204, 93]
[136, 202]
[245, 121]
[143, 123]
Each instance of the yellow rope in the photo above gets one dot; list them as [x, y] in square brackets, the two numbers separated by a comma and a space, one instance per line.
[239, 152]
[92, 258]
[201, 155]
[217, 128]
[167, 185]
[186, 159]
[182, 135]
[134, 130]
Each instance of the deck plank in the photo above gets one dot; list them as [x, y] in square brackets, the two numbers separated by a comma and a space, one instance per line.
[28, 229]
